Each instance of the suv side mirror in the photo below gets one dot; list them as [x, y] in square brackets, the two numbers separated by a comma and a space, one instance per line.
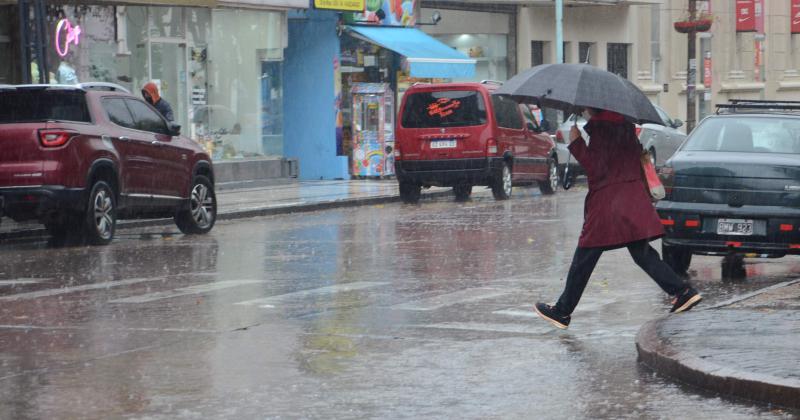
[677, 123]
[174, 129]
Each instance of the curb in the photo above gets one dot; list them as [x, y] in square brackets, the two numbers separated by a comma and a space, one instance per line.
[247, 213]
[659, 355]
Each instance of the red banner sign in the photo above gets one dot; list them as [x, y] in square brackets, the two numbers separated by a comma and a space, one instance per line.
[707, 71]
[759, 10]
[795, 16]
[745, 16]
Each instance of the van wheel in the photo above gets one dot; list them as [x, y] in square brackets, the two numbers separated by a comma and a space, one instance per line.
[677, 258]
[100, 219]
[550, 185]
[462, 192]
[501, 186]
[201, 214]
[410, 193]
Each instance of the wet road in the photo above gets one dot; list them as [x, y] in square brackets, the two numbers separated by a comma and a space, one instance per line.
[391, 311]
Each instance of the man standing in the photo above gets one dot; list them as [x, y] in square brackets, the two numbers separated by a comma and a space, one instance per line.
[151, 95]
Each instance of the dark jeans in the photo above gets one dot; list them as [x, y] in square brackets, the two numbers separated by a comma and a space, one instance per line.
[585, 260]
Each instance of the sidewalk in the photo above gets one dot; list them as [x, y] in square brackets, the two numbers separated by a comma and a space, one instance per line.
[746, 347]
[240, 200]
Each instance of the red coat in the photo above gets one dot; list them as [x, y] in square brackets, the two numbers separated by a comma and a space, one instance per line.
[618, 209]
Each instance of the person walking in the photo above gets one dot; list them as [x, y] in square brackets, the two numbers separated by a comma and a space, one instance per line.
[151, 95]
[618, 213]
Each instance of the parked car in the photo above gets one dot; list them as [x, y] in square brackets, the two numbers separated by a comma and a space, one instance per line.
[77, 158]
[660, 140]
[461, 134]
[734, 186]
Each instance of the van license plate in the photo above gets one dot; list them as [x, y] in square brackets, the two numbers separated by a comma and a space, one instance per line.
[734, 227]
[443, 144]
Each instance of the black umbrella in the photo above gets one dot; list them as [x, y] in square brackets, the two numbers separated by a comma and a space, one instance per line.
[571, 86]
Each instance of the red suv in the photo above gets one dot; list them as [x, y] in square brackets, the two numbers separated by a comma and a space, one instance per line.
[77, 158]
[461, 134]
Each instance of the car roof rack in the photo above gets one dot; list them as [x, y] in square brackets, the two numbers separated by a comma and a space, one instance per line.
[744, 105]
[113, 87]
[82, 86]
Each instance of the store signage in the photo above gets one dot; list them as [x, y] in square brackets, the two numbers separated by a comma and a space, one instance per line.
[385, 13]
[443, 107]
[66, 34]
[707, 76]
[759, 12]
[344, 5]
[745, 16]
[795, 16]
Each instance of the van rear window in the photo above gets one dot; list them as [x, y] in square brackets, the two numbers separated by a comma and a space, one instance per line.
[19, 106]
[451, 108]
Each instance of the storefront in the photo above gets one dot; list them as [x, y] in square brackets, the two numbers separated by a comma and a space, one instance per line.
[487, 39]
[383, 53]
[220, 66]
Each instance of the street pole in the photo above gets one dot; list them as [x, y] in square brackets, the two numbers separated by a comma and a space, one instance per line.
[24, 42]
[691, 71]
[559, 31]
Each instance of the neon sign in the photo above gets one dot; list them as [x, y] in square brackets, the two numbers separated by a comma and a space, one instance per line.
[66, 34]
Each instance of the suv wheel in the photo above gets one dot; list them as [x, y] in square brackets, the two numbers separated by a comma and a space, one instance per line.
[462, 192]
[410, 193]
[100, 219]
[201, 214]
[550, 185]
[677, 258]
[501, 186]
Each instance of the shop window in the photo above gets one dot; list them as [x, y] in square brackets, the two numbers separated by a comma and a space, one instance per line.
[488, 50]
[166, 22]
[586, 52]
[618, 59]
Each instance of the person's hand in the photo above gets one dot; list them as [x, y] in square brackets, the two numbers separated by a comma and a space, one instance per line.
[574, 133]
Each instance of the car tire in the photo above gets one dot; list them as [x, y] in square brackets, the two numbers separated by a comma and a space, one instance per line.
[462, 192]
[410, 193]
[200, 215]
[550, 185]
[501, 185]
[100, 217]
[677, 258]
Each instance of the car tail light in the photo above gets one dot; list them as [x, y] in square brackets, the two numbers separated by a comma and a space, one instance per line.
[638, 130]
[667, 176]
[786, 228]
[55, 138]
[559, 137]
[491, 147]
[733, 244]
[794, 246]
[692, 223]
[667, 222]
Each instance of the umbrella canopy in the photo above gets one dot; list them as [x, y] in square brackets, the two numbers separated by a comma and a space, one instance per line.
[570, 86]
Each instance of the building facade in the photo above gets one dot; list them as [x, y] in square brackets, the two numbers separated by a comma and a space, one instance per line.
[219, 64]
[637, 39]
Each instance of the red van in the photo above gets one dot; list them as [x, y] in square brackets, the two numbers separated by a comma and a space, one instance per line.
[461, 134]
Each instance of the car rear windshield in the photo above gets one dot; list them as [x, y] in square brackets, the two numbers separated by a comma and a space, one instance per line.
[21, 106]
[449, 108]
[746, 134]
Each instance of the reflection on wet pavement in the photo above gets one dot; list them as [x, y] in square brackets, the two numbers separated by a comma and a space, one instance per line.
[381, 311]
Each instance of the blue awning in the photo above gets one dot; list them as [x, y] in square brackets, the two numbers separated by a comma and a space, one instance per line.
[426, 56]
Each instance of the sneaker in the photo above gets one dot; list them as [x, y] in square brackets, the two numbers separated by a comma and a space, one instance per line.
[686, 300]
[552, 314]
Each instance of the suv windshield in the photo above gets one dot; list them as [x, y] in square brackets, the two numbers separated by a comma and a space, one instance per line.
[42, 105]
[451, 108]
[747, 134]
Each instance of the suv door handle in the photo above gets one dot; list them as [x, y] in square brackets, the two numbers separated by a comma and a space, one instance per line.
[156, 143]
[123, 138]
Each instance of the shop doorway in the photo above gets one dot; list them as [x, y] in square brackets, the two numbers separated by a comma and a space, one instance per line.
[169, 62]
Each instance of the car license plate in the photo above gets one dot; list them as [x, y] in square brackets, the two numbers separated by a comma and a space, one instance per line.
[734, 227]
[443, 144]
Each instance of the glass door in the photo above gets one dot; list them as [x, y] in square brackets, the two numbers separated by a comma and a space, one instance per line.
[169, 70]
